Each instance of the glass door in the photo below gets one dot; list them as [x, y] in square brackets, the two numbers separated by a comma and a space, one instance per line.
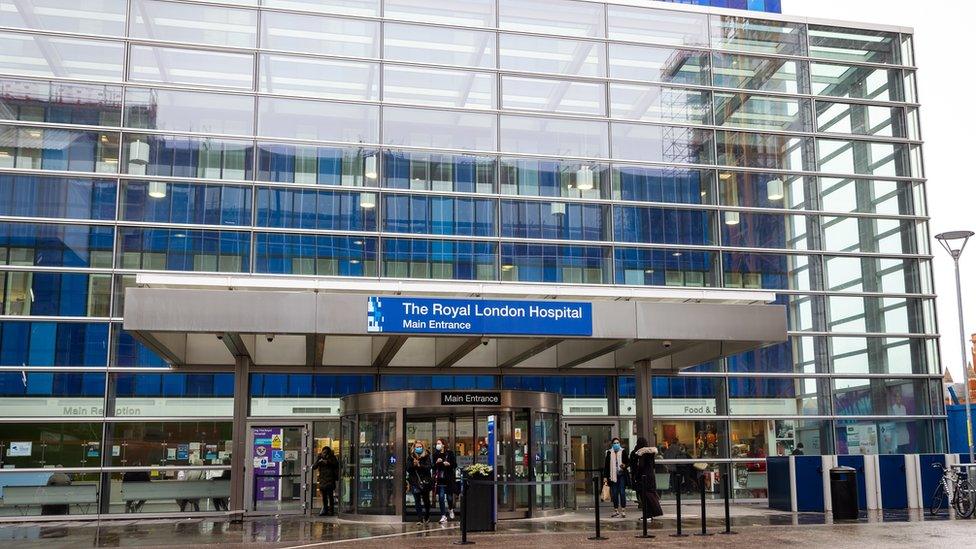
[347, 466]
[545, 442]
[279, 469]
[588, 444]
[375, 459]
[522, 470]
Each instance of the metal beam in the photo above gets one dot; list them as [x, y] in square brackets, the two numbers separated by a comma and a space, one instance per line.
[390, 348]
[460, 352]
[530, 352]
[314, 349]
[234, 344]
[149, 340]
[595, 353]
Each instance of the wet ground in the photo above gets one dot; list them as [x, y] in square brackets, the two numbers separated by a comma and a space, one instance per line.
[754, 526]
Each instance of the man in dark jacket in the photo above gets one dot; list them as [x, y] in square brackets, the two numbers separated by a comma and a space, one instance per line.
[327, 465]
[445, 473]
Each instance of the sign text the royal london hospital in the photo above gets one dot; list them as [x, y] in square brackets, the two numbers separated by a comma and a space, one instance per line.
[478, 316]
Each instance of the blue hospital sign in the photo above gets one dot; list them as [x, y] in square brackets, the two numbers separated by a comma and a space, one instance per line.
[422, 315]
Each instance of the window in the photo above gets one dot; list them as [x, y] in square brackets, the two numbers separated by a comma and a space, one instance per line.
[663, 225]
[554, 220]
[553, 55]
[438, 87]
[659, 104]
[670, 267]
[53, 344]
[33, 101]
[66, 444]
[27, 293]
[757, 150]
[36, 148]
[553, 136]
[443, 215]
[552, 17]
[633, 24]
[204, 112]
[167, 202]
[311, 34]
[43, 196]
[858, 119]
[439, 259]
[320, 255]
[56, 245]
[767, 271]
[183, 66]
[439, 129]
[658, 64]
[857, 82]
[439, 45]
[318, 120]
[468, 13]
[346, 166]
[666, 184]
[854, 45]
[438, 172]
[184, 250]
[193, 24]
[531, 177]
[313, 209]
[56, 57]
[755, 73]
[325, 78]
[102, 17]
[537, 94]
[661, 143]
[762, 113]
[178, 156]
[367, 8]
[555, 263]
[756, 35]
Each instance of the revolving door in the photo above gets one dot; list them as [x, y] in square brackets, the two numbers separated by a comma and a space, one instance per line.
[378, 429]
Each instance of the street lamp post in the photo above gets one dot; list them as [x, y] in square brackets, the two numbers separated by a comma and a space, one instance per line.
[954, 242]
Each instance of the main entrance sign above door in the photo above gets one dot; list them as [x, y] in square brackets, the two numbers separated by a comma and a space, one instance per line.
[478, 316]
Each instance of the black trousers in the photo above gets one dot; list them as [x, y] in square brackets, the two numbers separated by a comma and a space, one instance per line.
[422, 497]
[328, 498]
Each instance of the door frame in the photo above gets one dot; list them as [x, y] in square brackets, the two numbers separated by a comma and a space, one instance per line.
[306, 467]
[569, 423]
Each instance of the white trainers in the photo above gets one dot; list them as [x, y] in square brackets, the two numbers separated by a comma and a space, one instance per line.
[623, 514]
[443, 519]
[451, 513]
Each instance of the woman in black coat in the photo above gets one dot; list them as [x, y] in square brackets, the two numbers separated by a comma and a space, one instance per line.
[419, 480]
[328, 467]
[445, 473]
[642, 472]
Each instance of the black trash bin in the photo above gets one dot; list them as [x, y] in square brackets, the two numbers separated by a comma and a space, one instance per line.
[843, 493]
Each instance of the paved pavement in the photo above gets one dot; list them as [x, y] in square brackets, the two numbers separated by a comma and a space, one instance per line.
[756, 527]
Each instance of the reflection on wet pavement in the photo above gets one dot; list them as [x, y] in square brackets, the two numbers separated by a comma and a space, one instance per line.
[291, 531]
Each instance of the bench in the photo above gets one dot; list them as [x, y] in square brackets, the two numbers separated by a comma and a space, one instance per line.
[175, 489]
[24, 497]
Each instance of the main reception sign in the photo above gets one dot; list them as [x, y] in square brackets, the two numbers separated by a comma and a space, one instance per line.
[423, 315]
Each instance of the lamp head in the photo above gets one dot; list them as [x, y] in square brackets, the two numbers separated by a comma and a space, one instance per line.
[954, 241]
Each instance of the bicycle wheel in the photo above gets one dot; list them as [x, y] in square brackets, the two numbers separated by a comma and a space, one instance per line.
[938, 500]
[964, 499]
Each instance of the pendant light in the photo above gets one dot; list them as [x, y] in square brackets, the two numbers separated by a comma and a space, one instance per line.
[370, 168]
[774, 189]
[584, 178]
[557, 208]
[731, 218]
[367, 201]
[138, 157]
[157, 189]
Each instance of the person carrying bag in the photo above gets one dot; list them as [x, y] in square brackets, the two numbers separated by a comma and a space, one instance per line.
[419, 480]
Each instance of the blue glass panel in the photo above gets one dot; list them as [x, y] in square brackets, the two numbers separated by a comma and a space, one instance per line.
[443, 382]
[773, 359]
[53, 245]
[184, 250]
[196, 385]
[130, 352]
[59, 149]
[755, 230]
[416, 258]
[315, 254]
[41, 196]
[555, 263]
[768, 271]
[553, 220]
[662, 225]
[285, 163]
[52, 384]
[420, 214]
[178, 156]
[569, 386]
[53, 344]
[651, 267]
[186, 203]
[662, 184]
[438, 172]
[312, 209]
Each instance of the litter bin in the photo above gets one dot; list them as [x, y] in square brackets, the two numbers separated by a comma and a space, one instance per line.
[843, 493]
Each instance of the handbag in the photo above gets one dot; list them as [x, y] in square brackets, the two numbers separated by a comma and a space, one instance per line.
[605, 493]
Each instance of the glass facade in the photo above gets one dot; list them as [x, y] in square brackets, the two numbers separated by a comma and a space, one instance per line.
[551, 141]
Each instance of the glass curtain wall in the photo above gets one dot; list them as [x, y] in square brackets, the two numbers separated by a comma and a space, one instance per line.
[607, 144]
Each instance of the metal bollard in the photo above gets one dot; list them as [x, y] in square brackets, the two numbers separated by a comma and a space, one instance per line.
[701, 483]
[643, 500]
[596, 508]
[677, 494]
[727, 488]
[464, 515]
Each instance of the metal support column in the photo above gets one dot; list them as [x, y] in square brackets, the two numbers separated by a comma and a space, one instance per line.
[242, 394]
[645, 414]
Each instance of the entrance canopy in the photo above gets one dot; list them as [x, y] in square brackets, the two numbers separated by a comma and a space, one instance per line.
[206, 320]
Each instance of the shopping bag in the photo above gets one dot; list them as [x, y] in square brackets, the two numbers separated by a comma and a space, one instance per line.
[605, 493]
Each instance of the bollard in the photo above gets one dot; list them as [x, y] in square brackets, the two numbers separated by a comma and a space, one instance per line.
[464, 515]
[727, 488]
[677, 494]
[596, 508]
[643, 501]
[701, 483]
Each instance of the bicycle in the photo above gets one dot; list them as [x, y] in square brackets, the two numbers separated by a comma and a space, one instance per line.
[954, 487]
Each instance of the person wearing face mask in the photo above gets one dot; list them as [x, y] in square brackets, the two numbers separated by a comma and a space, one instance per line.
[615, 474]
[445, 470]
[419, 480]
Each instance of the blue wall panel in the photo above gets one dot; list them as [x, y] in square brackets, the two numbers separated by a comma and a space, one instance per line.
[930, 476]
[894, 490]
[778, 482]
[809, 483]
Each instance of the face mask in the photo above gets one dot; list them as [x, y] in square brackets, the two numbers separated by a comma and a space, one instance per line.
[439, 447]
[616, 446]
[418, 450]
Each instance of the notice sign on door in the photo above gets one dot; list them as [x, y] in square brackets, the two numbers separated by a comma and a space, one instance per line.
[478, 316]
